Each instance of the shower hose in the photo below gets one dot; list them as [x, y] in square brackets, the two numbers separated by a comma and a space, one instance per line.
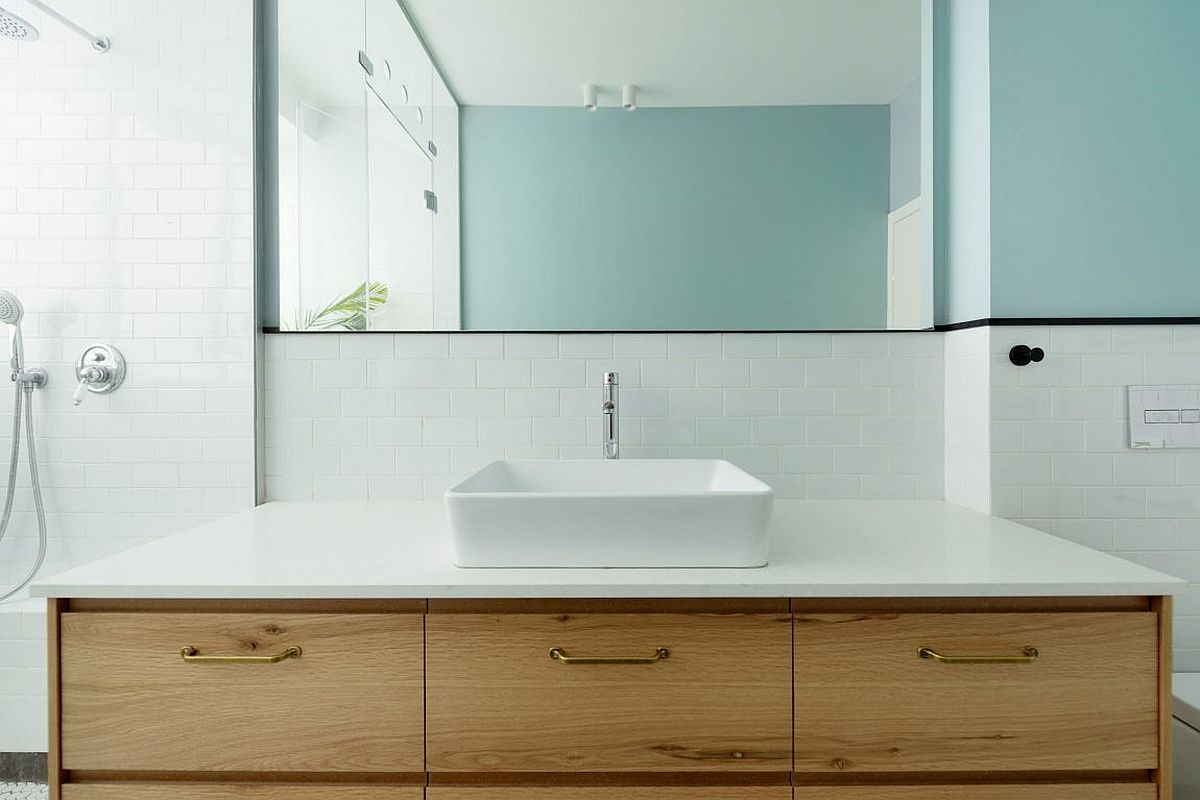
[24, 400]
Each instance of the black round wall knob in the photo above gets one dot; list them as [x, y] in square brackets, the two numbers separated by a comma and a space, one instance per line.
[1023, 355]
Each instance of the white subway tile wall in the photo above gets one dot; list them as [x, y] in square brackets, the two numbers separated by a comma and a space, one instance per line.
[125, 216]
[969, 471]
[815, 415]
[1061, 460]
[406, 416]
[23, 714]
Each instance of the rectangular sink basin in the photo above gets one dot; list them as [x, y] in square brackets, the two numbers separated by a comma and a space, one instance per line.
[623, 513]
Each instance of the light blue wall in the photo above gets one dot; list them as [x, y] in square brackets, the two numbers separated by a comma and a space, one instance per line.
[1095, 157]
[729, 218]
[905, 113]
[969, 213]
[962, 154]
[940, 92]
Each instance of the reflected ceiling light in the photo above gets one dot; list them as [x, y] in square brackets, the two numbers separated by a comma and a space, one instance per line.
[629, 97]
[589, 96]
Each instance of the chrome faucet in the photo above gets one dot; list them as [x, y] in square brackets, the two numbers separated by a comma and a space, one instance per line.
[612, 419]
[100, 370]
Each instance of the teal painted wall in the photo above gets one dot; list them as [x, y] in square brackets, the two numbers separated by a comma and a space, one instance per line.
[1095, 157]
[965, 212]
[723, 218]
[941, 156]
[905, 113]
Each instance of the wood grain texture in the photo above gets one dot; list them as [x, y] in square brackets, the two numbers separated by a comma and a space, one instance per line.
[497, 702]
[611, 605]
[1050, 791]
[967, 605]
[194, 791]
[352, 703]
[608, 793]
[865, 701]
[1164, 776]
[248, 606]
[638, 780]
[54, 771]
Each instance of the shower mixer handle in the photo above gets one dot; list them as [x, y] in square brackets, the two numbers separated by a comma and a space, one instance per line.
[89, 377]
[100, 370]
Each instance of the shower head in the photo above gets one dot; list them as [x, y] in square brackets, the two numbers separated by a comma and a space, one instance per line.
[11, 309]
[11, 312]
[14, 27]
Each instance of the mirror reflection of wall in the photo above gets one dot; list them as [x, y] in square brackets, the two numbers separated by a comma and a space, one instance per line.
[362, 246]
[682, 218]
[322, 155]
[770, 178]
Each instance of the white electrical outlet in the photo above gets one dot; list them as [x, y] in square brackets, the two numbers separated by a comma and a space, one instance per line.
[1164, 417]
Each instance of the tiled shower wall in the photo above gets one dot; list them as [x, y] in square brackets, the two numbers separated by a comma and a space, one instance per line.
[1060, 456]
[125, 216]
[406, 416]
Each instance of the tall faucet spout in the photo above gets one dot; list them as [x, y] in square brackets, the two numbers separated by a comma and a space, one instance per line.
[611, 416]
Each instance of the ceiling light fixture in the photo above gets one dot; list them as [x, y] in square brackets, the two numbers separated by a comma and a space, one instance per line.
[629, 97]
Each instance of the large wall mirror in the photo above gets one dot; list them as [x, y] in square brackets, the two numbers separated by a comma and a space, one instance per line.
[568, 165]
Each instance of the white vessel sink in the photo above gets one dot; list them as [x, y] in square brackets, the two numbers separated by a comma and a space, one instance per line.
[626, 513]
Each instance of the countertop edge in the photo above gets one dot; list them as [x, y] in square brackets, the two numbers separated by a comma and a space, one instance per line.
[649, 591]
[819, 549]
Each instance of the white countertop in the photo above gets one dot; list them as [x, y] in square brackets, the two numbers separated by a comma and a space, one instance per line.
[819, 548]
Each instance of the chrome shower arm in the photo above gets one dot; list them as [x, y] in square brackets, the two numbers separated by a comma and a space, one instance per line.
[99, 43]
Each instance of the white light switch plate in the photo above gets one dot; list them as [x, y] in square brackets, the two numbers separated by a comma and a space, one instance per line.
[1164, 417]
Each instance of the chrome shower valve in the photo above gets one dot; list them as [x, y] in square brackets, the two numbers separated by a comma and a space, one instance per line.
[100, 370]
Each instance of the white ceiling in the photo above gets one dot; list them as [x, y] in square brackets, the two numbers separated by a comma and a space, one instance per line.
[678, 52]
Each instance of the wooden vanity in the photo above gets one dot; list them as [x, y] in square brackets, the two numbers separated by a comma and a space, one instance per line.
[509, 699]
[892, 650]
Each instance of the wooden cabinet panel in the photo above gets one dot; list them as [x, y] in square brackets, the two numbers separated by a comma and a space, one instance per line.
[497, 701]
[609, 793]
[866, 701]
[1053, 791]
[192, 791]
[351, 703]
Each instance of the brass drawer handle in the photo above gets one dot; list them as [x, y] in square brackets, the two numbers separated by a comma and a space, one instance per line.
[660, 654]
[1028, 656]
[192, 656]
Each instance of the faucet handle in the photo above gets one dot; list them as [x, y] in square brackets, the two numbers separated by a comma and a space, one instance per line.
[90, 376]
[100, 370]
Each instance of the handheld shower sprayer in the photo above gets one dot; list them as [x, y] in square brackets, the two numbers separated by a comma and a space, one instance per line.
[25, 380]
[11, 312]
[11, 309]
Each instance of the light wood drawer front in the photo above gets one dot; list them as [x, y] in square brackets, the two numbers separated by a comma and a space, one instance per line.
[351, 703]
[499, 702]
[159, 791]
[609, 793]
[866, 701]
[1055, 791]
